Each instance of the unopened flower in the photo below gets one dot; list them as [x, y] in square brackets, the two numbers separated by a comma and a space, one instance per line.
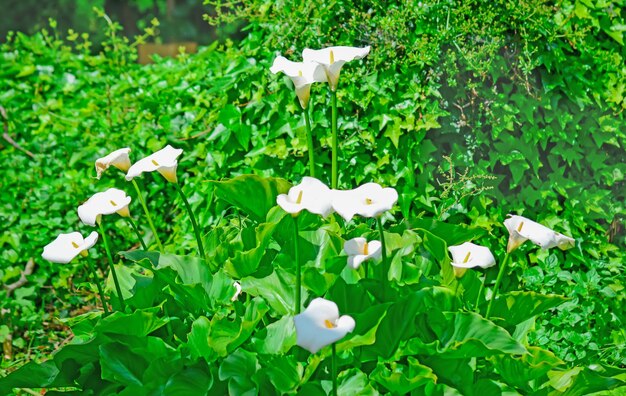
[163, 161]
[67, 246]
[237, 287]
[303, 74]
[360, 250]
[469, 255]
[332, 60]
[522, 229]
[118, 158]
[110, 201]
[320, 325]
[368, 200]
[311, 194]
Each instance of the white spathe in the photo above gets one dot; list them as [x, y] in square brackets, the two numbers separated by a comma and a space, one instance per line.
[332, 60]
[320, 325]
[360, 250]
[368, 200]
[67, 246]
[302, 74]
[237, 287]
[107, 202]
[118, 158]
[164, 161]
[311, 194]
[470, 255]
[521, 229]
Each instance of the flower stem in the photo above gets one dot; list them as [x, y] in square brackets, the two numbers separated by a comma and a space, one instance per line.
[147, 212]
[194, 224]
[99, 286]
[456, 293]
[480, 292]
[118, 289]
[498, 280]
[383, 249]
[298, 266]
[134, 225]
[333, 98]
[333, 368]
[309, 139]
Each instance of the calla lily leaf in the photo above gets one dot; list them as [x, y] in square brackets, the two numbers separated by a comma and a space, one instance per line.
[239, 190]
[276, 289]
[515, 307]
[521, 370]
[402, 379]
[453, 234]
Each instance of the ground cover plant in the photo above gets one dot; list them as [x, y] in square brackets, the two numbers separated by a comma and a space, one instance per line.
[467, 118]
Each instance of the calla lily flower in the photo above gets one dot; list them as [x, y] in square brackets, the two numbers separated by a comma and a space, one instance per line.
[67, 246]
[469, 255]
[303, 74]
[368, 200]
[360, 250]
[118, 158]
[163, 161]
[320, 325]
[521, 229]
[237, 287]
[311, 194]
[110, 201]
[332, 60]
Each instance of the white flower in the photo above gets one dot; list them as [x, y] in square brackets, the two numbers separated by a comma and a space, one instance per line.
[521, 229]
[359, 250]
[333, 58]
[303, 74]
[237, 287]
[469, 255]
[320, 325]
[118, 158]
[110, 201]
[311, 194]
[67, 246]
[368, 200]
[163, 161]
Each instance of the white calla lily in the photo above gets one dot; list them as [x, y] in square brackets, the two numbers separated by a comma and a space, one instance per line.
[107, 202]
[237, 287]
[470, 255]
[332, 60]
[164, 161]
[368, 200]
[522, 229]
[311, 194]
[360, 250]
[118, 158]
[302, 74]
[320, 325]
[67, 246]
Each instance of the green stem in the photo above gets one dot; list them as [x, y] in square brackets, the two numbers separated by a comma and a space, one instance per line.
[366, 269]
[118, 289]
[480, 292]
[99, 286]
[309, 139]
[134, 225]
[333, 368]
[498, 280]
[194, 224]
[383, 249]
[298, 266]
[333, 97]
[147, 212]
[456, 293]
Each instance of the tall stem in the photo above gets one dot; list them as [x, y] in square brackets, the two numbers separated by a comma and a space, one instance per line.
[480, 292]
[383, 249]
[298, 266]
[118, 289]
[456, 293]
[498, 280]
[333, 368]
[333, 98]
[134, 225]
[194, 224]
[309, 139]
[147, 212]
[99, 286]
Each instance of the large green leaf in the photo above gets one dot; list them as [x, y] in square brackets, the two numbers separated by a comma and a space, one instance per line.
[452, 234]
[139, 323]
[35, 375]
[121, 365]
[580, 381]
[277, 289]
[253, 194]
[524, 371]
[198, 339]
[515, 307]
[402, 379]
[277, 337]
[225, 334]
[246, 262]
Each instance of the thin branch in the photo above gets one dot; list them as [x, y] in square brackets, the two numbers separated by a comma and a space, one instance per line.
[28, 269]
[8, 138]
